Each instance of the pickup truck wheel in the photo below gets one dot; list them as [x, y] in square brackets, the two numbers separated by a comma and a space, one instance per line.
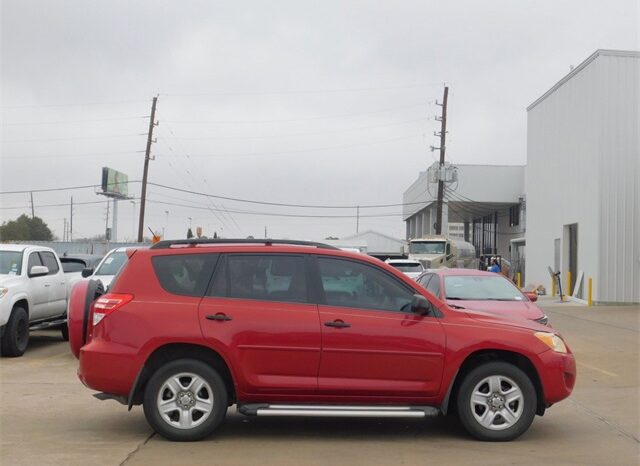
[496, 402]
[185, 400]
[16, 333]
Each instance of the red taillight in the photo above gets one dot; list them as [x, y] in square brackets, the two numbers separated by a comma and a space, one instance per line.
[108, 303]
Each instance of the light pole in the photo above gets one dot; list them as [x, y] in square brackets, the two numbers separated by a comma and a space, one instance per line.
[133, 221]
[166, 224]
[189, 222]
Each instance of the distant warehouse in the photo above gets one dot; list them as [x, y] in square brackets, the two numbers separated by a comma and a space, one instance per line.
[583, 178]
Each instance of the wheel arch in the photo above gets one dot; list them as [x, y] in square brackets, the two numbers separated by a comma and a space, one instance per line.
[172, 351]
[488, 355]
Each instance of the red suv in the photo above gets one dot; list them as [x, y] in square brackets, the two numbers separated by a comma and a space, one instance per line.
[292, 328]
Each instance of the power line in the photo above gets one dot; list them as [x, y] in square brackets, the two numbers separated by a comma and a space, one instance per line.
[86, 155]
[286, 120]
[311, 133]
[79, 104]
[108, 136]
[279, 204]
[65, 122]
[67, 188]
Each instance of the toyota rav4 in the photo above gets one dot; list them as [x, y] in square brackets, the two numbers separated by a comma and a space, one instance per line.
[292, 328]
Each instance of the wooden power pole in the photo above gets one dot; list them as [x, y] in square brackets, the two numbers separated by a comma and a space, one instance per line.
[147, 156]
[443, 135]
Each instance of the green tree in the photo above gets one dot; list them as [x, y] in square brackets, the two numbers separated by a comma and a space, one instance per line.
[189, 234]
[25, 229]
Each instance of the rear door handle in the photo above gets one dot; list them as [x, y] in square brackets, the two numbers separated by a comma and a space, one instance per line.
[219, 316]
[337, 324]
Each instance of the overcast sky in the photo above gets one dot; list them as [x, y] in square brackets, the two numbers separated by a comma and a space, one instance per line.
[327, 102]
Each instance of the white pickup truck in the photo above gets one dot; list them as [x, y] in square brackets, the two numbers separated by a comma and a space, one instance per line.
[33, 295]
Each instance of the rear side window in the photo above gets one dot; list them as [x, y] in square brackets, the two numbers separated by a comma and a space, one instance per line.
[424, 280]
[70, 265]
[49, 260]
[269, 277]
[184, 274]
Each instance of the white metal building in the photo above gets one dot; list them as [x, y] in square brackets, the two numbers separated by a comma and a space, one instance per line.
[488, 200]
[583, 178]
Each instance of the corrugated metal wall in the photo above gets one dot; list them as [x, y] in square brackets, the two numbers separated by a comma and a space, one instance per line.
[583, 158]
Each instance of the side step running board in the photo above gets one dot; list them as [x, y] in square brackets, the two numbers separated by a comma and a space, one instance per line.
[263, 409]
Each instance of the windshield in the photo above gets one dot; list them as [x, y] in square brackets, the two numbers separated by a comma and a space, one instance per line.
[426, 247]
[112, 263]
[479, 288]
[407, 268]
[10, 262]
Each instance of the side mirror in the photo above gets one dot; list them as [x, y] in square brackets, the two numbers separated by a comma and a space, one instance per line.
[87, 272]
[421, 305]
[532, 295]
[38, 271]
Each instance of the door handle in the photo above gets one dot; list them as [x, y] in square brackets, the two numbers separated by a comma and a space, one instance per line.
[219, 316]
[337, 324]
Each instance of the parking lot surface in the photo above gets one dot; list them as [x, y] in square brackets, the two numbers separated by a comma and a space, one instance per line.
[48, 417]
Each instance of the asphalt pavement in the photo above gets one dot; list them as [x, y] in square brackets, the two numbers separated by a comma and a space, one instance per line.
[47, 417]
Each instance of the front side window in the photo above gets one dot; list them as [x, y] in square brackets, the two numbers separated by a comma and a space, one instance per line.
[34, 259]
[112, 263]
[184, 274]
[268, 277]
[424, 279]
[49, 260]
[353, 284]
[434, 286]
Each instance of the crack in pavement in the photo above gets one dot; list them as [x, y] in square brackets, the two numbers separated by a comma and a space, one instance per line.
[606, 421]
[137, 449]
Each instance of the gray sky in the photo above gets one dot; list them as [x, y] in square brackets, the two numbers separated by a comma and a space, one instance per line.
[285, 101]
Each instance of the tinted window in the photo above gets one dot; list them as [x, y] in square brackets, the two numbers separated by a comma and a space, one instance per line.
[184, 274]
[265, 277]
[434, 286]
[112, 263]
[353, 284]
[50, 262]
[72, 265]
[34, 259]
[424, 280]
[481, 287]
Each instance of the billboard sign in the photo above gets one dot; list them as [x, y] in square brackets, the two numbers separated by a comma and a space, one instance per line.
[114, 183]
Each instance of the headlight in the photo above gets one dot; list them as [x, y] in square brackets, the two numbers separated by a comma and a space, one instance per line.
[3, 291]
[552, 340]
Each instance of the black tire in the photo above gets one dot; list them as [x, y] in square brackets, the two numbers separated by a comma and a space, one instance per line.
[500, 431]
[16, 333]
[218, 396]
[64, 331]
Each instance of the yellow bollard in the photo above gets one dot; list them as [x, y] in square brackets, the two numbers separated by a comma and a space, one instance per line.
[519, 285]
[553, 286]
[568, 293]
[590, 292]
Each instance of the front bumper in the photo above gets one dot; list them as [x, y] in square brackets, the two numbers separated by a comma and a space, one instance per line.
[557, 375]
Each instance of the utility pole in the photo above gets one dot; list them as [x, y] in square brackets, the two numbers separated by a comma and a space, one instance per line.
[106, 224]
[64, 230]
[357, 219]
[71, 220]
[443, 135]
[33, 212]
[147, 156]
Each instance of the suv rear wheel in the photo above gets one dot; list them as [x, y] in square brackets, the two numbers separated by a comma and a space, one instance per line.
[496, 402]
[185, 400]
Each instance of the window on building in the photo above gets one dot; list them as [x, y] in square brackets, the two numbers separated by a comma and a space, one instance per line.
[514, 215]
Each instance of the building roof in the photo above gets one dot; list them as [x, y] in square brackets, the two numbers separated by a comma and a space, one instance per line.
[581, 66]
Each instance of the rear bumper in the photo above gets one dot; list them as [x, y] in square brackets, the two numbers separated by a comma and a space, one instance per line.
[557, 375]
[109, 368]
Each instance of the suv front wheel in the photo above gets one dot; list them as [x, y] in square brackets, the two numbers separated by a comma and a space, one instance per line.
[185, 400]
[496, 402]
